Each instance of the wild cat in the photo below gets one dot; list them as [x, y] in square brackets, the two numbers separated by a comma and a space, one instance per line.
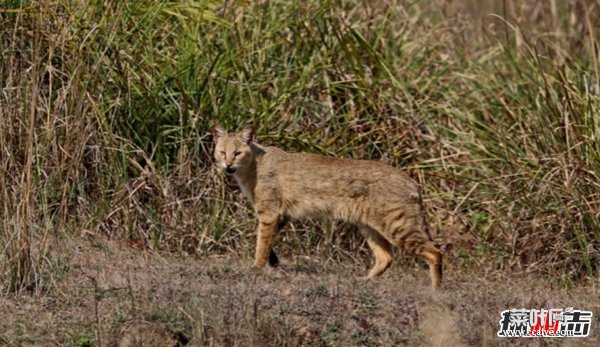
[381, 200]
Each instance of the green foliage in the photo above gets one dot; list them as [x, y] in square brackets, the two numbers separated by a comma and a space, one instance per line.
[106, 107]
[85, 342]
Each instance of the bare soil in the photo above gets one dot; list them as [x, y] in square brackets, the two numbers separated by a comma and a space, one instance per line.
[102, 293]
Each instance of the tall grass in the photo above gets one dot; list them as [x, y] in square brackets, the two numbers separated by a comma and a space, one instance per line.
[493, 106]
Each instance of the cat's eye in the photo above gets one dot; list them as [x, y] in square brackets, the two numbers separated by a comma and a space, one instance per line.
[223, 153]
[236, 153]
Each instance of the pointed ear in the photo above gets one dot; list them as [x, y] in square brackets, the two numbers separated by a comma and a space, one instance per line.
[247, 134]
[217, 132]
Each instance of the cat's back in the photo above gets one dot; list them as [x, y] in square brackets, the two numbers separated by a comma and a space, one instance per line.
[325, 173]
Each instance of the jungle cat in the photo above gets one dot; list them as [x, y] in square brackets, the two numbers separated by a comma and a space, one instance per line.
[381, 200]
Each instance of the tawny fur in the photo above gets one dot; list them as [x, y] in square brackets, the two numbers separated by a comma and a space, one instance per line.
[381, 200]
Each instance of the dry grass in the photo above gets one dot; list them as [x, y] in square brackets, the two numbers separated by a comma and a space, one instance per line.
[105, 294]
[494, 108]
[105, 107]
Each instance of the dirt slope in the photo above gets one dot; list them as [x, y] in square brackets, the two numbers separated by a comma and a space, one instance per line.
[105, 294]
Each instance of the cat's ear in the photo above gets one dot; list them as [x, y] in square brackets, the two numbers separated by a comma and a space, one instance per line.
[247, 134]
[217, 132]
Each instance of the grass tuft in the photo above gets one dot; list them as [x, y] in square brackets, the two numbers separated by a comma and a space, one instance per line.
[493, 106]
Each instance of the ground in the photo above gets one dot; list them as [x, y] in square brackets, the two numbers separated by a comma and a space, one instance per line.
[104, 293]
